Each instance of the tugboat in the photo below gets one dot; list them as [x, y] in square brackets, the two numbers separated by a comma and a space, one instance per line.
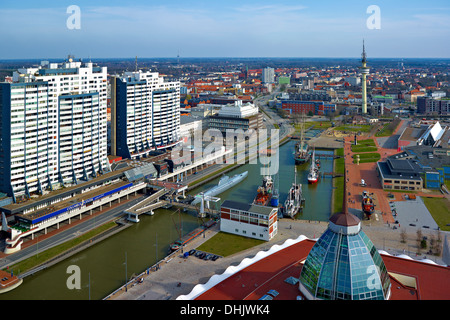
[367, 205]
[264, 192]
[294, 199]
[313, 175]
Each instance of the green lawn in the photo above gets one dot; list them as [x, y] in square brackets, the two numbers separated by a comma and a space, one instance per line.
[440, 210]
[43, 256]
[359, 148]
[354, 128]
[366, 143]
[225, 244]
[388, 129]
[367, 157]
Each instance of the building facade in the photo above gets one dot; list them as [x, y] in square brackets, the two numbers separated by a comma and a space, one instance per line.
[428, 105]
[268, 75]
[236, 116]
[145, 114]
[313, 107]
[53, 126]
[400, 175]
[249, 220]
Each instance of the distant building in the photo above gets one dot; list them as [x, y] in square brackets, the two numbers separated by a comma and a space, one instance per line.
[310, 96]
[145, 114]
[427, 105]
[314, 107]
[249, 220]
[268, 75]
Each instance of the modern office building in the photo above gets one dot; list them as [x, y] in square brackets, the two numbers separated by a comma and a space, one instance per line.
[145, 114]
[235, 116]
[53, 127]
[428, 105]
[403, 174]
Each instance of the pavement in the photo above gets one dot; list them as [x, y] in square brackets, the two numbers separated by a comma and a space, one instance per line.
[178, 276]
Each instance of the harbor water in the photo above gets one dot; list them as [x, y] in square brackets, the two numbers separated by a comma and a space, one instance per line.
[105, 266]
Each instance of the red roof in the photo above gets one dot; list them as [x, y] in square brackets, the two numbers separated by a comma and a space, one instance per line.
[270, 273]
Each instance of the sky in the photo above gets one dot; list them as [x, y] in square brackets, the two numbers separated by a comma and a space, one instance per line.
[201, 28]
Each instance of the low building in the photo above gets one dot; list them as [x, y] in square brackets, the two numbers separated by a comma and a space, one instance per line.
[315, 107]
[249, 220]
[400, 175]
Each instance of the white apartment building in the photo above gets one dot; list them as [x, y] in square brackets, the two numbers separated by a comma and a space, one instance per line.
[268, 75]
[53, 127]
[145, 114]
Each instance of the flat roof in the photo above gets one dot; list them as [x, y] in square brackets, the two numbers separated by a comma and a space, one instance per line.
[15, 208]
[71, 201]
[387, 174]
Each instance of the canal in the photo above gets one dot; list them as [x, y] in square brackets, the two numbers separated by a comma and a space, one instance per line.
[105, 266]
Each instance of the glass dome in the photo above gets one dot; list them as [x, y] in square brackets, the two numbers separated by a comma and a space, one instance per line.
[344, 265]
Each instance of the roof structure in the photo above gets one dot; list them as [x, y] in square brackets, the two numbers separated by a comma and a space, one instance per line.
[279, 268]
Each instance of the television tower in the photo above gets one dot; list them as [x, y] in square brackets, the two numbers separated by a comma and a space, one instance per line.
[364, 71]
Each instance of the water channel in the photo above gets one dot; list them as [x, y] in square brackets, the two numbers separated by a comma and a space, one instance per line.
[105, 265]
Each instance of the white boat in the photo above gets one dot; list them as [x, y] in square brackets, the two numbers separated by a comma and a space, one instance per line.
[224, 184]
[313, 175]
[294, 199]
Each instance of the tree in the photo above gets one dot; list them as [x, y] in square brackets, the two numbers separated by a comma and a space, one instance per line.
[403, 236]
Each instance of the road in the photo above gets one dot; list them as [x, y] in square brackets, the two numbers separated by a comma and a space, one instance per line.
[74, 231]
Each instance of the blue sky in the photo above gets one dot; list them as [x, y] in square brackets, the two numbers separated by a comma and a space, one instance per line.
[320, 28]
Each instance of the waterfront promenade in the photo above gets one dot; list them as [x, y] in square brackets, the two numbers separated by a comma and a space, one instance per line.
[179, 275]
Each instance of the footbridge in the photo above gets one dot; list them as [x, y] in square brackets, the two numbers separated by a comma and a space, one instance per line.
[147, 205]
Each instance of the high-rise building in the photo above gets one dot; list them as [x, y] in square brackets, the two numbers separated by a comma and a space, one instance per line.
[145, 114]
[53, 127]
[268, 75]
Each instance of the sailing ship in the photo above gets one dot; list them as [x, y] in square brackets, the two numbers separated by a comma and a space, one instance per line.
[313, 175]
[265, 192]
[301, 153]
[367, 205]
[294, 199]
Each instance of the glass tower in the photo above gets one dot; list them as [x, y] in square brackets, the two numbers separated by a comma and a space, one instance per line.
[344, 264]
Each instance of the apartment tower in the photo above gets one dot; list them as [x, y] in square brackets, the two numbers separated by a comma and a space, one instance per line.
[53, 127]
[145, 114]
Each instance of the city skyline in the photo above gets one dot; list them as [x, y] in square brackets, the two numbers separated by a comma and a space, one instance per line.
[109, 29]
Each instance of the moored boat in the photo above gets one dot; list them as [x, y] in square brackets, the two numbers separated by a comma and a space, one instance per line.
[294, 199]
[367, 205]
[224, 184]
[265, 192]
[313, 175]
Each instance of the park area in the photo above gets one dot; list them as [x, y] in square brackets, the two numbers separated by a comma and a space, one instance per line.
[225, 244]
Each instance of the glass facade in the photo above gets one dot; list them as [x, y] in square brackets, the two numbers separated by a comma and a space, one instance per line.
[345, 267]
